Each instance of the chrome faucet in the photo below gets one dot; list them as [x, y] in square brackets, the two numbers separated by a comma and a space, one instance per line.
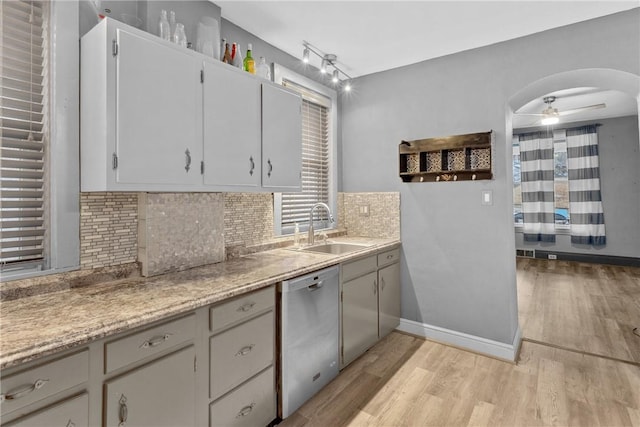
[311, 237]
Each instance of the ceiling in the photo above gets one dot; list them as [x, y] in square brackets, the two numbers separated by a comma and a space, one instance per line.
[618, 104]
[373, 36]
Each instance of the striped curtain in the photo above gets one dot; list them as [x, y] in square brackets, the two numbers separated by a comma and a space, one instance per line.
[536, 171]
[585, 199]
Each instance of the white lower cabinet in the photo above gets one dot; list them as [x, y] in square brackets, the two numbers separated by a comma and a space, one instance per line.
[253, 404]
[161, 393]
[370, 302]
[359, 316]
[241, 355]
[72, 412]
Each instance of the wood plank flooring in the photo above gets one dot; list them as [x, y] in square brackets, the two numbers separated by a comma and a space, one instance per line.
[591, 308]
[407, 381]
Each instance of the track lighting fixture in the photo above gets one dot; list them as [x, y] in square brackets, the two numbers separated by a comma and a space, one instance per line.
[328, 61]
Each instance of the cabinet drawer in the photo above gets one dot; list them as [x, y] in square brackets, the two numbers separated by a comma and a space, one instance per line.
[70, 412]
[129, 349]
[388, 257]
[43, 381]
[252, 404]
[241, 308]
[240, 353]
[358, 268]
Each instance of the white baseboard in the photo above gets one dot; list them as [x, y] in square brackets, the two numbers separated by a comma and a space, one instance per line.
[459, 339]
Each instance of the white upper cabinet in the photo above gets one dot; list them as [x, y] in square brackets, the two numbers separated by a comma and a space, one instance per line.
[232, 150]
[158, 113]
[281, 139]
[158, 117]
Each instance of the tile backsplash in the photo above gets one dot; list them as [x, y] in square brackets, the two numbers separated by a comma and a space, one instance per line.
[174, 231]
[108, 229]
[177, 231]
[372, 214]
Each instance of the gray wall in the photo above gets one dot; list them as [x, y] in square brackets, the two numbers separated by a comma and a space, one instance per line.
[459, 265]
[620, 184]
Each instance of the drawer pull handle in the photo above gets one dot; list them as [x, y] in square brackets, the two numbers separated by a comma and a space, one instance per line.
[270, 168]
[124, 411]
[253, 165]
[245, 350]
[155, 341]
[23, 391]
[390, 256]
[245, 411]
[246, 307]
[382, 282]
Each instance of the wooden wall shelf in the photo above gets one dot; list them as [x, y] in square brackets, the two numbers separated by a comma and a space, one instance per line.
[452, 158]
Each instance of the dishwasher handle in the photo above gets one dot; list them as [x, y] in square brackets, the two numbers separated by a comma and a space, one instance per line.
[315, 286]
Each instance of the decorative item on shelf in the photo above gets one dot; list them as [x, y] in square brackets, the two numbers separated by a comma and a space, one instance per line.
[227, 54]
[456, 160]
[208, 37]
[413, 163]
[327, 60]
[236, 56]
[263, 70]
[180, 37]
[164, 29]
[447, 159]
[249, 64]
[172, 25]
[434, 162]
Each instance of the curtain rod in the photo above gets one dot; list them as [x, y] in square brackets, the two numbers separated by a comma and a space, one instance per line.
[541, 129]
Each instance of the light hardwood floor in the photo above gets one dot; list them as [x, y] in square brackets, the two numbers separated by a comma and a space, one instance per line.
[407, 381]
[591, 308]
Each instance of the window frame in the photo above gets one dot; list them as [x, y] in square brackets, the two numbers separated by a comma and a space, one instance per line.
[62, 176]
[280, 74]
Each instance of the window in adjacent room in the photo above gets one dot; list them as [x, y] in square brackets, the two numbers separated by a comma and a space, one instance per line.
[560, 184]
[318, 175]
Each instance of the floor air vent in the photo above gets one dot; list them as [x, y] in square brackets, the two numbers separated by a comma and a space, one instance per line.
[526, 253]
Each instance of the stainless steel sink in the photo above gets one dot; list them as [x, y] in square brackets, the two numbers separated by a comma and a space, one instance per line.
[333, 248]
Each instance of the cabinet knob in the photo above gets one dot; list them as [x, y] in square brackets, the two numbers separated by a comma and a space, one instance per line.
[245, 411]
[23, 391]
[187, 155]
[246, 307]
[124, 411]
[155, 341]
[245, 350]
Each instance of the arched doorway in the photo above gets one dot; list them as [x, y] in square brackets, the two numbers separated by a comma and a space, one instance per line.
[574, 305]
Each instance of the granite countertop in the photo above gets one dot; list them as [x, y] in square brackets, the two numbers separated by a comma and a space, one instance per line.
[44, 324]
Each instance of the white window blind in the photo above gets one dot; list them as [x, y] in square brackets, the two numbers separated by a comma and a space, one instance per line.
[315, 162]
[24, 53]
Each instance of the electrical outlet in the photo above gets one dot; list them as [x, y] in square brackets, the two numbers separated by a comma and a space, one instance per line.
[552, 256]
[363, 210]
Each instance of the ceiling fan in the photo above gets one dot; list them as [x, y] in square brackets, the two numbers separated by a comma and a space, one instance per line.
[551, 115]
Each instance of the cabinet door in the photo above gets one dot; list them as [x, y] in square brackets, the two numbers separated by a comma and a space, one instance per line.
[70, 412]
[161, 393]
[359, 316]
[158, 113]
[231, 127]
[389, 298]
[281, 139]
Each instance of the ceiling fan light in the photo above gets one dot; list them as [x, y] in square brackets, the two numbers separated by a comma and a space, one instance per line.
[550, 120]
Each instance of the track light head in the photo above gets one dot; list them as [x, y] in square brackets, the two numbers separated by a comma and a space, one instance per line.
[323, 66]
[305, 55]
[347, 86]
[335, 78]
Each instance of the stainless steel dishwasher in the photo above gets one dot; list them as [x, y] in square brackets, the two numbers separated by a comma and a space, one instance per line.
[309, 332]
